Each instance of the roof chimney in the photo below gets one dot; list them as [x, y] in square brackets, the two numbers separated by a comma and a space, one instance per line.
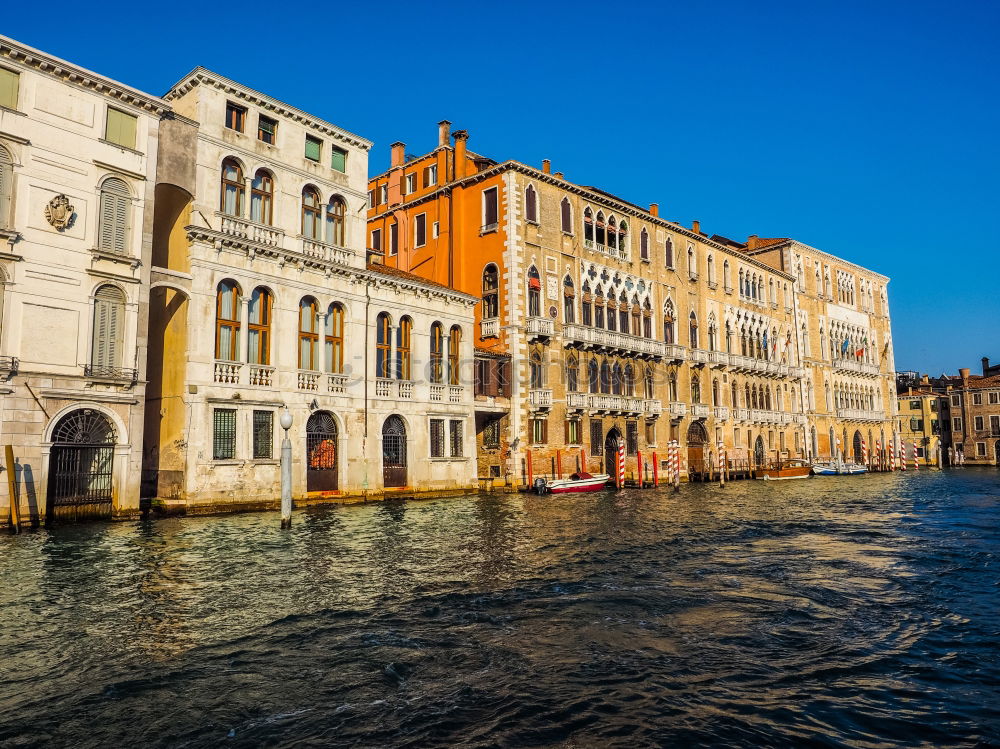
[696, 226]
[558, 175]
[910, 390]
[398, 151]
[461, 138]
[964, 374]
[444, 133]
[925, 380]
[986, 365]
[751, 241]
[654, 209]
[546, 166]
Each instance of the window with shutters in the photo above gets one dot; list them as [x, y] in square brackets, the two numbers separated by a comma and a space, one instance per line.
[573, 432]
[113, 221]
[377, 240]
[455, 437]
[491, 211]
[109, 331]
[267, 130]
[437, 438]
[236, 117]
[9, 83]
[259, 327]
[534, 292]
[334, 338]
[223, 433]
[227, 322]
[420, 230]
[120, 128]
[411, 183]
[263, 435]
[569, 301]
[338, 159]
[539, 431]
[313, 148]
[566, 216]
[393, 239]
[531, 205]
[336, 213]
[231, 198]
[430, 175]
[6, 188]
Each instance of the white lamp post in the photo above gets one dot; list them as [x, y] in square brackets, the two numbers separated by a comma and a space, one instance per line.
[286, 470]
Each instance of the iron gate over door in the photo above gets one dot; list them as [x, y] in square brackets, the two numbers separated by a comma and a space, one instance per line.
[393, 452]
[81, 464]
[321, 449]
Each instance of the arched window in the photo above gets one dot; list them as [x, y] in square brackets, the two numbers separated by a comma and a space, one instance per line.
[311, 213]
[629, 380]
[588, 227]
[593, 377]
[113, 228]
[534, 293]
[231, 198]
[623, 313]
[569, 301]
[536, 374]
[693, 330]
[491, 292]
[647, 319]
[710, 269]
[612, 316]
[599, 308]
[668, 253]
[404, 360]
[616, 379]
[636, 318]
[335, 221]
[668, 322]
[605, 377]
[335, 338]
[227, 321]
[259, 327]
[713, 334]
[383, 345]
[727, 278]
[647, 381]
[612, 233]
[692, 263]
[623, 239]
[262, 198]
[566, 215]
[672, 388]
[695, 389]
[454, 354]
[6, 188]
[586, 306]
[531, 204]
[715, 393]
[109, 330]
[437, 353]
[734, 394]
[308, 333]
[572, 374]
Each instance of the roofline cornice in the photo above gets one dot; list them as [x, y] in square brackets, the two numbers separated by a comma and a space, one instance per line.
[788, 242]
[207, 77]
[74, 74]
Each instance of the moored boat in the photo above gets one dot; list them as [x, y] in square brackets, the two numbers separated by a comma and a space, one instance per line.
[789, 469]
[834, 468]
[578, 482]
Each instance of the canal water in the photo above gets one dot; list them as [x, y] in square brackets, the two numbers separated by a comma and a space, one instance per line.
[861, 612]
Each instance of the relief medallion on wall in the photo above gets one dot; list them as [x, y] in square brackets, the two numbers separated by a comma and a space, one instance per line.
[59, 212]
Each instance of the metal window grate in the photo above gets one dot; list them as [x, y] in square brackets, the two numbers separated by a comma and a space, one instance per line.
[437, 438]
[631, 437]
[224, 434]
[596, 437]
[263, 434]
[456, 439]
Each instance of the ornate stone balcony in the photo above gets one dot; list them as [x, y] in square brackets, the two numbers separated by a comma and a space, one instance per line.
[722, 413]
[336, 383]
[857, 367]
[539, 327]
[741, 414]
[455, 393]
[860, 414]
[436, 393]
[577, 401]
[261, 376]
[796, 373]
[699, 356]
[674, 352]
[490, 327]
[540, 398]
[718, 358]
[677, 408]
[652, 407]
[751, 365]
[329, 252]
[700, 411]
[615, 403]
[251, 231]
[611, 340]
[308, 380]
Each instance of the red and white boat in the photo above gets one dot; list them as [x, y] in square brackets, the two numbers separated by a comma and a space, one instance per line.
[578, 482]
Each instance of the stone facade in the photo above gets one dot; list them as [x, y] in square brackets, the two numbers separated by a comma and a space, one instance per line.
[924, 422]
[264, 299]
[77, 157]
[975, 416]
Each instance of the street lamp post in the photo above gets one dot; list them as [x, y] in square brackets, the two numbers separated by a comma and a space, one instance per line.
[286, 470]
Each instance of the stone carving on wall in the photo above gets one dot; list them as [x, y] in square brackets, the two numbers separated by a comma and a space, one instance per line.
[59, 212]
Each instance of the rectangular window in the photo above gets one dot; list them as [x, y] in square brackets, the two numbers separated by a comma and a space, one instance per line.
[631, 437]
[430, 175]
[573, 432]
[236, 117]
[267, 130]
[956, 424]
[914, 405]
[420, 230]
[9, 81]
[980, 449]
[596, 437]
[956, 400]
[263, 434]
[371, 198]
[437, 438]
[435, 230]
[383, 194]
[650, 432]
[455, 435]
[977, 399]
[490, 210]
[338, 159]
[920, 452]
[313, 148]
[994, 398]
[995, 425]
[377, 240]
[120, 128]
[539, 431]
[491, 434]
[224, 434]
[916, 425]
[393, 239]
[979, 423]
[411, 183]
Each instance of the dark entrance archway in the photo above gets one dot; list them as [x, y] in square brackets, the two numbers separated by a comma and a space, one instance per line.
[321, 452]
[611, 443]
[858, 457]
[758, 451]
[394, 452]
[81, 466]
[697, 442]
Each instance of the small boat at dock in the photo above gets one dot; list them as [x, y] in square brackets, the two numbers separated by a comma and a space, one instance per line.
[577, 482]
[789, 469]
[838, 468]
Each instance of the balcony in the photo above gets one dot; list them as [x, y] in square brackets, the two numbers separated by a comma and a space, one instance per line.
[677, 409]
[327, 252]
[336, 383]
[611, 340]
[437, 393]
[386, 387]
[718, 358]
[673, 352]
[699, 356]
[539, 327]
[615, 403]
[700, 411]
[652, 407]
[119, 375]
[764, 367]
[383, 388]
[798, 418]
[455, 393]
[860, 414]
[308, 380]
[227, 373]
[251, 231]
[577, 401]
[540, 398]
[858, 367]
[722, 413]
[741, 414]
[261, 376]
[489, 328]
[796, 373]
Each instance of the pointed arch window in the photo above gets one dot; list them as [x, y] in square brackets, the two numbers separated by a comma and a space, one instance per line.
[647, 381]
[334, 338]
[491, 292]
[259, 327]
[383, 345]
[605, 377]
[588, 227]
[262, 198]
[231, 199]
[599, 308]
[531, 204]
[535, 371]
[437, 353]
[336, 214]
[593, 376]
[404, 358]
[566, 216]
[693, 330]
[227, 321]
[586, 307]
[623, 313]
[644, 244]
[534, 293]
[695, 389]
[668, 253]
[109, 330]
[454, 354]
[668, 322]
[612, 316]
[647, 320]
[311, 213]
[629, 380]
[115, 202]
[617, 379]
[6, 188]
[572, 374]
[569, 301]
[308, 333]
[599, 230]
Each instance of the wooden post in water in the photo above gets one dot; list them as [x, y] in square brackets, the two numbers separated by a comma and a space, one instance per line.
[638, 466]
[722, 466]
[677, 466]
[531, 472]
[558, 464]
[583, 459]
[656, 471]
[15, 503]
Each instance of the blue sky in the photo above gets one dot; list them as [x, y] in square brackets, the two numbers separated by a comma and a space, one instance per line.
[866, 129]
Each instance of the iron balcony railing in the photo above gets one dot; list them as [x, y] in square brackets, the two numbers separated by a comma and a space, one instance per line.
[118, 374]
[9, 364]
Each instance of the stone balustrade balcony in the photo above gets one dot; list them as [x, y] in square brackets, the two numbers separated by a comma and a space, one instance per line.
[540, 398]
[539, 327]
[611, 340]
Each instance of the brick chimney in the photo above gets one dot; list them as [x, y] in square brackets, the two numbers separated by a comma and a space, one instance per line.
[986, 365]
[444, 133]
[546, 166]
[752, 242]
[696, 226]
[558, 175]
[654, 209]
[461, 142]
[910, 390]
[964, 374]
[925, 380]
[398, 151]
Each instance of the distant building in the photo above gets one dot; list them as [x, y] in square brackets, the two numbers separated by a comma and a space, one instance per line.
[975, 416]
[924, 421]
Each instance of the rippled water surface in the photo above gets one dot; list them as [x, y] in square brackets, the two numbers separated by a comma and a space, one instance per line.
[856, 612]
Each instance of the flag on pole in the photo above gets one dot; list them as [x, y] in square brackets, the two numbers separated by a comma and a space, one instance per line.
[861, 349]
[844, 346]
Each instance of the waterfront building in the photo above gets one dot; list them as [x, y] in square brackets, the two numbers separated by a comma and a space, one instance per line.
[975, 416]
[263, 297]
[78, 154]
[924, 422]
[622, 328]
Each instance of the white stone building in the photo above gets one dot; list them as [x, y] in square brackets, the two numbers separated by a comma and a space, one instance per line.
[263, 298]
[77, 158]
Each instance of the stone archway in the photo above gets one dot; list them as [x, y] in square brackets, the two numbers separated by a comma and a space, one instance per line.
[611, 443]
[321, 452]
[394, 452]
[759, 453]
[697, 442]
[81, 466]
[858, 452]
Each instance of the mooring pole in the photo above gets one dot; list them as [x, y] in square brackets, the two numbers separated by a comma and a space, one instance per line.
[677, 466]
[286, 470]
[15, 502]
[656, 471]
[722, 465]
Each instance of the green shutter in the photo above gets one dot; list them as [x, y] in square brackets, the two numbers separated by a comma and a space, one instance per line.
[120, 128]
[8, 88]
[338, 159]
[312, 148]
[112, 232]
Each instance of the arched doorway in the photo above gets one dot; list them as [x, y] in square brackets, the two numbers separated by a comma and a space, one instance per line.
[758, 451]
[81, 465]
[394, 452]
[611, 443]
[858, 456]
[321, 452]
[697, 440]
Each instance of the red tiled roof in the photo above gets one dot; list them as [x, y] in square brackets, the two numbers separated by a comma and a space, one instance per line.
[388, 270]
[984, 382]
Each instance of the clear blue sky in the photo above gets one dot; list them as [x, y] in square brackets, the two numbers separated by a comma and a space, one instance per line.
[870, 130]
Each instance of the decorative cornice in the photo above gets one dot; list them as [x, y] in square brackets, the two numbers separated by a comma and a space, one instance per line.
[204, 76]
[859, 268]
[53, 66]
